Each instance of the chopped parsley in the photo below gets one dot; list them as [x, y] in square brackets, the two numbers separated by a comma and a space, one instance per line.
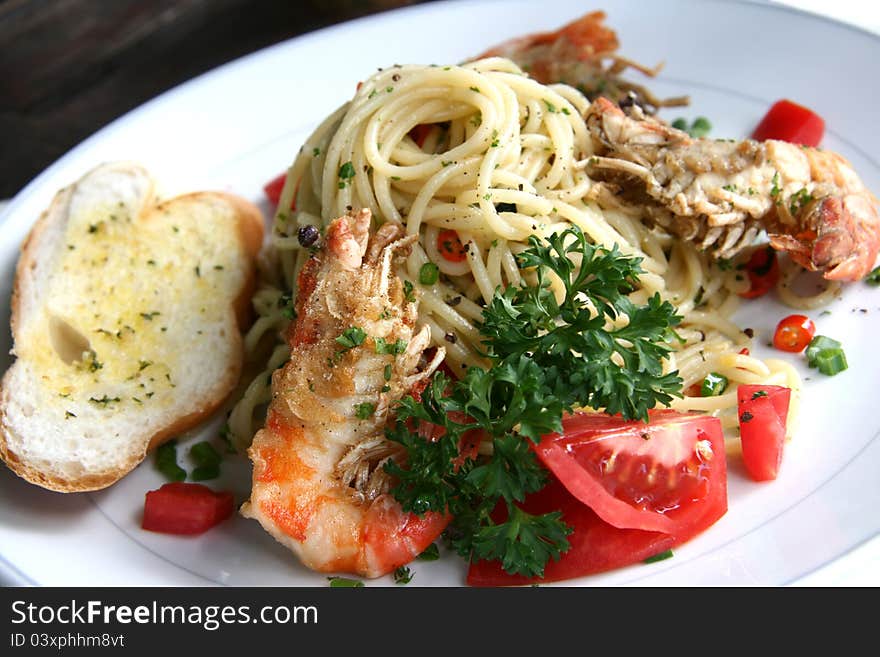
[351, 337]
[798, 200]
[394, 348]
[775, 189]
[364, 411]
[874, 277]
[431, 553]
[547, 358]
[346, 173]
[103, 401]
[402, 575]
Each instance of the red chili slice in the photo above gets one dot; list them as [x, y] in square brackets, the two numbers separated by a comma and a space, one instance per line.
[793, 333]
[450, 247]
[763, 272]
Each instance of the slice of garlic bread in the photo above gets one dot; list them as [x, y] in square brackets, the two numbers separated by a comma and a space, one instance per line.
[126, 323]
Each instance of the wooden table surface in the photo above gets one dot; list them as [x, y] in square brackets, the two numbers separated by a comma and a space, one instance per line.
[69, 67]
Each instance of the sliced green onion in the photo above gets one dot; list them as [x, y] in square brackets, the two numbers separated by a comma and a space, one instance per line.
[713, 385]
[816, 345]
[831, 361]
[659, 557]
[827, 355]
[429, 274]
[203, 453]
[205, 472]
[874, 277]
[344, 583]
[166, 462]
[207, 461]
[700, 127]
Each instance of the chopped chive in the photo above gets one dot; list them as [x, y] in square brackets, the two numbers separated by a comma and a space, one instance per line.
[429, 273]
[205, 472]
[344, 583]
[166, 461]
[207, 461]
[660, 557]
[203, 453]
[713, 385]
[700, 127]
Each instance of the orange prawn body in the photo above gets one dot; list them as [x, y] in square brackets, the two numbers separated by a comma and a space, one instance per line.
[318, 482]
[722, 193]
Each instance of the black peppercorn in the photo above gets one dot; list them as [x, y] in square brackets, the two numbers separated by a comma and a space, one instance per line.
[307, 235]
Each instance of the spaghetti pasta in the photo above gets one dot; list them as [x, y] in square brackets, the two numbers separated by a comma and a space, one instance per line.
[497, 161]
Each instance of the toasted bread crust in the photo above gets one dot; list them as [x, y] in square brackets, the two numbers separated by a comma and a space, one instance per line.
[250, 237]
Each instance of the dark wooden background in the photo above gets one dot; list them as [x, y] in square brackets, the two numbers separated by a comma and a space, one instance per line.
[69, 67]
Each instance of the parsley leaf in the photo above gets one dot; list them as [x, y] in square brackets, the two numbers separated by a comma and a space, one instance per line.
[594, 347]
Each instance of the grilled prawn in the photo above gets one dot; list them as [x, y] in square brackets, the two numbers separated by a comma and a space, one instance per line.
[318, 483]
[722, 193]
[576, 54]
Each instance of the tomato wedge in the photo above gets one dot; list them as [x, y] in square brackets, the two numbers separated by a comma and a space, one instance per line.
[596, 546]
[763, 272]
[183, 508]
[763, 415]
[273, 188]
[659, 476]
[788, 121]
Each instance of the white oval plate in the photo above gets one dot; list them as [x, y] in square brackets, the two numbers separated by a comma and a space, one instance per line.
[240, 125]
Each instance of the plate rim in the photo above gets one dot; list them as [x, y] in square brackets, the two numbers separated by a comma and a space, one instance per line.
[8, 569]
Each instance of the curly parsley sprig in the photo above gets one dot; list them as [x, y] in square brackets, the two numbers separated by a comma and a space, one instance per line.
[594, 348]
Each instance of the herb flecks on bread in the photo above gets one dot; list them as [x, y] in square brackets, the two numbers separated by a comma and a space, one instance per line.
[126, 321]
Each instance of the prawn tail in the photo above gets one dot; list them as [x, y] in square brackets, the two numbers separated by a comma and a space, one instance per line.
[393, 537]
